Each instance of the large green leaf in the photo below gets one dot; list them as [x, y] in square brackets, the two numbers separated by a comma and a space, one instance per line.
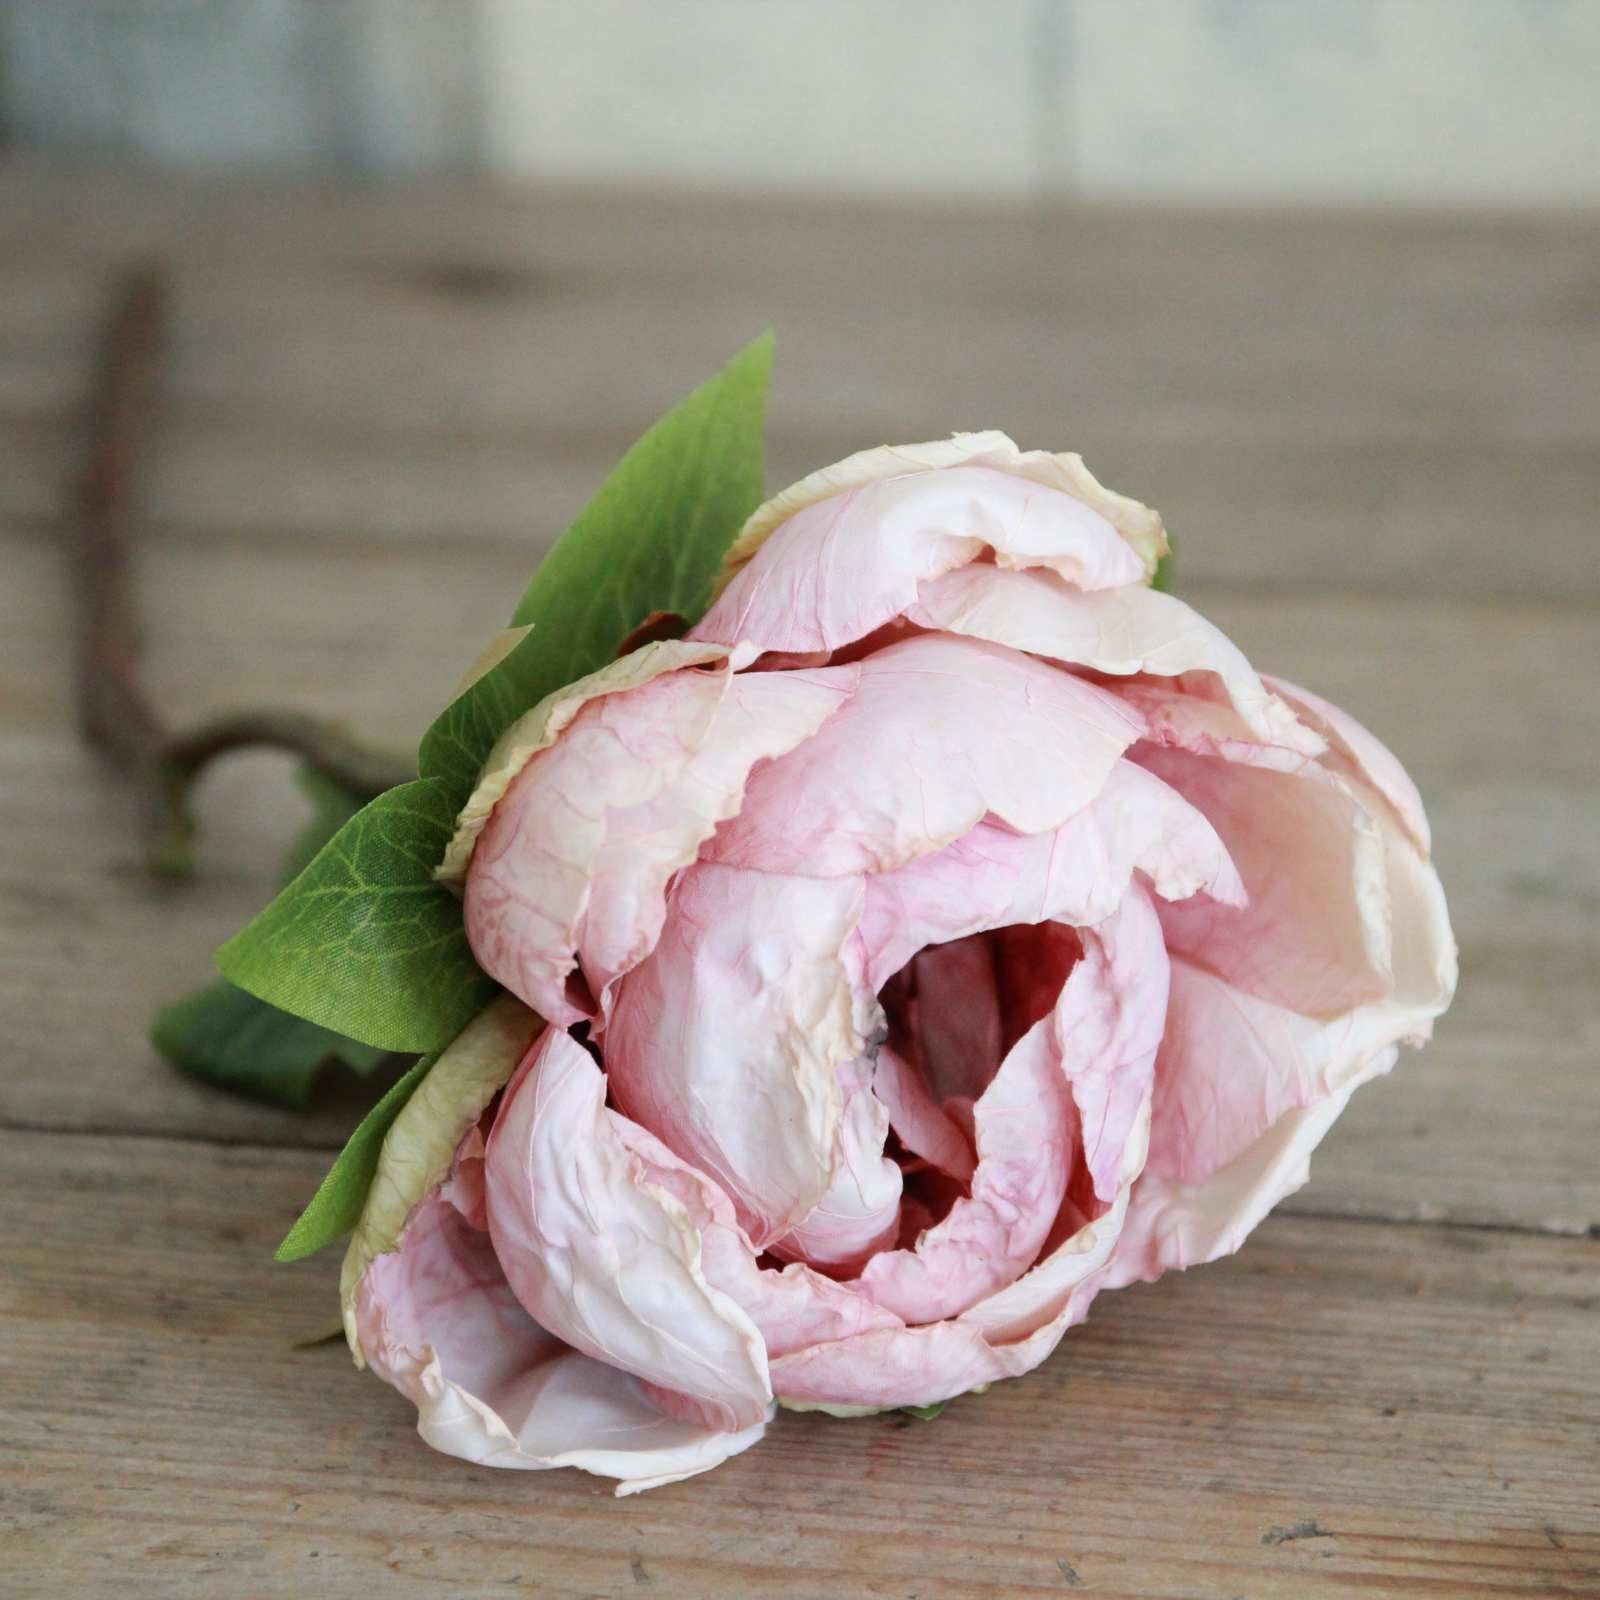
[650, 540]
[232, 1039]
[336, 1206]
[227, 1037]
[364, 941]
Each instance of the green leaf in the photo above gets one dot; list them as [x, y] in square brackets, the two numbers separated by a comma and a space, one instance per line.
[650, 540]
[230, 1038]
[925, 1413]
[1164, 567]
[364, 941]
[332, 805]
[336, 1206]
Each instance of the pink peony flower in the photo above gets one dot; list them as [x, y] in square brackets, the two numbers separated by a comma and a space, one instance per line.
[952, 927]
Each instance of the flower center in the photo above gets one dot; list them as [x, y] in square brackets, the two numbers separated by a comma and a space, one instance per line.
[953, 1012]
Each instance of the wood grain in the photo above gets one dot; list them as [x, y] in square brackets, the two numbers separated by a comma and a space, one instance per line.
[1345, 1408]
[1378, 440]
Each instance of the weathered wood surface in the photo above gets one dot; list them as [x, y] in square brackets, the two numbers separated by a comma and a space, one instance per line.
[1381, 443]
[1345, 1408]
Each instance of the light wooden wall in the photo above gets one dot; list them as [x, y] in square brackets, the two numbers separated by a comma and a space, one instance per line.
[1488, 103]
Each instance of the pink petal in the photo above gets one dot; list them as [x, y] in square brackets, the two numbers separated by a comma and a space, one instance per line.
[1109, 1027]
[939, 732]
[763, 715]
[1077, 873]
[1023, 1124]
[529, 878]
[726, 1042]
[923, 1126]
[1355, 753]
[1002, 1336]
[792, 1307]
[438, 1321]
[1245, 1090]
[1172, 1224]
[1232, 1064]
[1078, 1079]
[1115, 631]
[596, 1255]
[839, 568]
[1316, 932]
[859, 1212]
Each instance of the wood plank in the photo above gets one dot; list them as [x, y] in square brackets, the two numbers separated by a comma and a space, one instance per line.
[1343, 1408]
[1330, 401]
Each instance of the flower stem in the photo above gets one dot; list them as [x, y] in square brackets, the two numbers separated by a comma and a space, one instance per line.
[115, 714]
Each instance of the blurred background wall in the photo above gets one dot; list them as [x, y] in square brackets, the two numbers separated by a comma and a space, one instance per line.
[1490, 104]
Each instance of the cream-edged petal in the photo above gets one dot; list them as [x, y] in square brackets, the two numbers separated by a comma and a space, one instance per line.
[529, 880]
[1137, 523]
[576, 857]
[1232, 1064]
[763, 715]
[1316, 934]
[1109, 1024]
[1077, 873]
[1172, 1224]
[793, 1307]
[859, 1212]
[939, 732]
[837, 570]
[439, 1322]
[1003, 1336]
[539, 728]
[1355, 753]
[1115, 631]
[420, 1147]
[726, 1041]
[1023, 1125]
[1055, 1295]
[603, 1257]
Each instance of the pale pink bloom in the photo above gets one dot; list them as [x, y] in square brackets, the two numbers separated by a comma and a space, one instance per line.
[950, 929]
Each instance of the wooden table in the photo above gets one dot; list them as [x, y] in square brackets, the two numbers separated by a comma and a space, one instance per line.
[1379, 441]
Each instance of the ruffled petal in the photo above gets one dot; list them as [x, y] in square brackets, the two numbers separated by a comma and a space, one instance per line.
[1172, 1224]
[939, 732]
[1245, 1090]
[1109, 1026]
[1002, 1336]
[1316, 933]
[793, 1306]
[1078, 873]
[1356, 754]
[762, 716]
[1023, 1125]
[438, 1320]
[1137, 523]
[575, 860]
[422, 1147]
[837, 569]
[530, 876]
[859, 1211]
[540, 727]
[604, 1258]
[1119, 632]
[922, 1125]
[727, 1041]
